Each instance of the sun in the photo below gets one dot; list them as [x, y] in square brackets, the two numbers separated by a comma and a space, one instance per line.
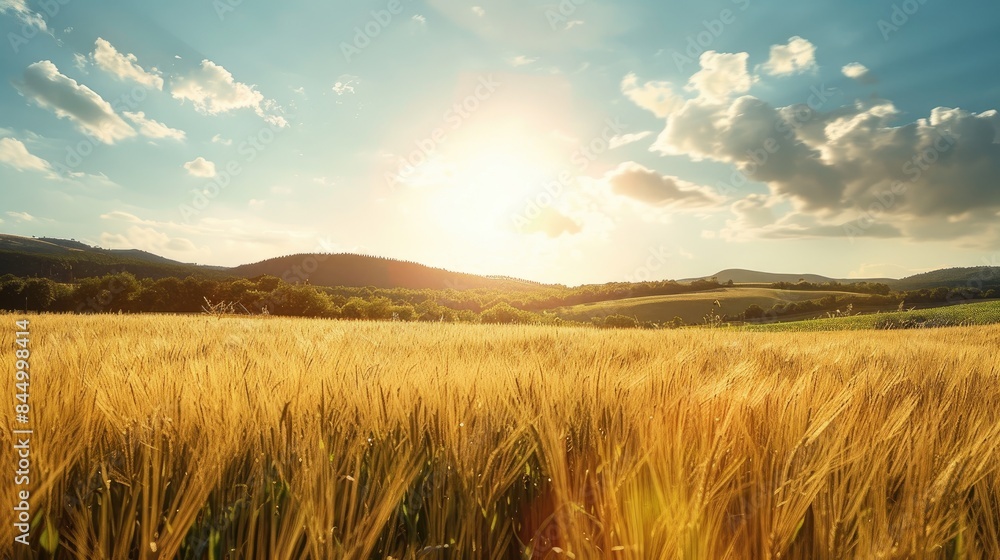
[476, 193]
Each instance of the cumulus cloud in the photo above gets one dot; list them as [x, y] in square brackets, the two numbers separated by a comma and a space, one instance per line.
[200, 167]
[479, 11]
[153, 129]
[837, 169]
[657, 97]
[632, 180]
[859, 72]
[721, 75]
[213, 90]
[123, 66]
[46, 86]
[934, 177]
[795, 57]
[14, 154]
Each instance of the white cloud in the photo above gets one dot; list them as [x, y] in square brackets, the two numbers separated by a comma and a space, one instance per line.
[721, 76]
[200, 167]
[80, 62]
[656, 97]
[520, 60]
[625, 139]
[479, 11]
[46, 86]
[14, 153]
[795, 57]
[218, 139]
[345, 84]
[123, 66]
[419, 19]
[21, 11]
[153, 129]
[213, 90]
[859, 72]
[22, 216]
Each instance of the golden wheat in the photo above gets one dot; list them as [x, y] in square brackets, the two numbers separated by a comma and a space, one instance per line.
[194, 437]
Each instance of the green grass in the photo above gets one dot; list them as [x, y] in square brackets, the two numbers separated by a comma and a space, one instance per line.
[983, 313]
[691, 307]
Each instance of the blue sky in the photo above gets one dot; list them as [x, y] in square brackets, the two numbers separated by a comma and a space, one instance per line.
[571, 142]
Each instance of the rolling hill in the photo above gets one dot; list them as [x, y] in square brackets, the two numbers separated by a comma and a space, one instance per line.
[69, 260]
[743, 276]
[972, 277]
[377, 272]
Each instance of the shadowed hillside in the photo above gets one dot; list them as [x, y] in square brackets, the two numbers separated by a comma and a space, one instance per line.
[64, 260]
[972, 277]
[363, 270]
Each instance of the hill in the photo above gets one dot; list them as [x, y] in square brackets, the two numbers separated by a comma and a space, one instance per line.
[743, 276]
[691, 307]
[64, 260]
[982, 277]
[362, 270]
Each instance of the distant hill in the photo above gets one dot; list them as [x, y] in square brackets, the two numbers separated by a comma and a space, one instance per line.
[70, 260]
[743, 276]
[377, 272]
[972, 277]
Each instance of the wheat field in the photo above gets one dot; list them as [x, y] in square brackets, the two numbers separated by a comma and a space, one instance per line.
[195, 437]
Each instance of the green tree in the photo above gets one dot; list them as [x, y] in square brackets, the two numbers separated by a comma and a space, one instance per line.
[753, 312]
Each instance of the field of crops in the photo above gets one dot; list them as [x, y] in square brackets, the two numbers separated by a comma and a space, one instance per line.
[967, 314]
[194, 437]
[692, 307]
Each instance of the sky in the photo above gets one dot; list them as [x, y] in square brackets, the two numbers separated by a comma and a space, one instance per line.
[580, 141]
